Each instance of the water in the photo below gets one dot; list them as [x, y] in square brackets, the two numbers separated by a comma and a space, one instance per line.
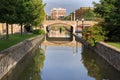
[74, 63]
[62, 64]
[64, 60]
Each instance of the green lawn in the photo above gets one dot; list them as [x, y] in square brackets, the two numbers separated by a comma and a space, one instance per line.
[14, 39]
[116, 44]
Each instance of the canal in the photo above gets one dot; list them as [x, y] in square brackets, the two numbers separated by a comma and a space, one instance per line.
[64, 60]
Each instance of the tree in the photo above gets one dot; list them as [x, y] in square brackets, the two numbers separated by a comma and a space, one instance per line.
[7, 13]
[94, 34]
[67, 17]
[30, 12]
[110, 12]
[79, 12]
[104, 8]
[38, 12]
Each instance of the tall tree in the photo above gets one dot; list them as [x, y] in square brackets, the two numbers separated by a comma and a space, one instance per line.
[105, 8]
[30, 12]
[110, 11]
[7, 13]
[21, 12]
[38, 12]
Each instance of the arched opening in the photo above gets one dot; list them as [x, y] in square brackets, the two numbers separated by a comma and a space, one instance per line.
[66, 26]
[59, 32]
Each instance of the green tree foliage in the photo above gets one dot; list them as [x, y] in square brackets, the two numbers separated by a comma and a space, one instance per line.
[104, 8]
[88, 14]
[90, 62]
[7, 13]
[94, 34]
[30, 12]
[33, 70]
[67, 17]
[38, 12]
[110, 12]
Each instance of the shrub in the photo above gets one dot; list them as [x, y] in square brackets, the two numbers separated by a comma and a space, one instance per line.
[94, 34]
[38, 31]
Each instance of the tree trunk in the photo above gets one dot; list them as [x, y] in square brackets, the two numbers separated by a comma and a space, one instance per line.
[7, 31]
[2, 28]
[21, 29]
[12, 29]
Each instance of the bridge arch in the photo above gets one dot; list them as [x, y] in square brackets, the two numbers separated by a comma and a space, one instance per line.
[71, 26]
[70, 23]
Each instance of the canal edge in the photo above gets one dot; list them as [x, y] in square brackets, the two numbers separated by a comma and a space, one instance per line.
[11, 56]
[107, 52]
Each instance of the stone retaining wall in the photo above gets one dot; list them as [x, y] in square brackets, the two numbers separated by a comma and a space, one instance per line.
[11, 56]
[108, 52]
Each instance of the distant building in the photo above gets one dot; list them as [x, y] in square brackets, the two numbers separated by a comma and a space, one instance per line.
[58, 13]
[16, 29]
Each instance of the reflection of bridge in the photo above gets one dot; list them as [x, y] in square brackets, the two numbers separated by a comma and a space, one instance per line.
[72, 44]
[60, 43]
[68, 23]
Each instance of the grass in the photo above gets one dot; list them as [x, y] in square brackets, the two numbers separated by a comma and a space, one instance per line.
[13, 39]
[115, 44]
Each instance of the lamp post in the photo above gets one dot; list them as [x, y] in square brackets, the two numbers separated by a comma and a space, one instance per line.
[77, 25]
[82, 25]
[71, 16]
[74, 16]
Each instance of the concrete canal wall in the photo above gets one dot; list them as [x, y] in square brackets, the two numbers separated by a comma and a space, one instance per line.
[108, 52]
[11, 56]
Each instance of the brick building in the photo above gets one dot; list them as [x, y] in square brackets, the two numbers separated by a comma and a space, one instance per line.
[58, 13]
[81, 11]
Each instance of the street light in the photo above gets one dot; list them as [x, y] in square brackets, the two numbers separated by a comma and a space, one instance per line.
[77, 26]
[71, 16]
[82, 25]
[74, 16]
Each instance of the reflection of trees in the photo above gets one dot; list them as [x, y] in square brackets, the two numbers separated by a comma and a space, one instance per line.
[92, 67]
[33, 69]
[98, 68]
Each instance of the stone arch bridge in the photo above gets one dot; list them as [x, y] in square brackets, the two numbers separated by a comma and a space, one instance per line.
[68, 23]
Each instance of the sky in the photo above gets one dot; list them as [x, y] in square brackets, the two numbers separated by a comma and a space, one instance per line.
[69, 5]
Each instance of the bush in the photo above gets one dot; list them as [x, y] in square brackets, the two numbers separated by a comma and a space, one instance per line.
[38, 31]
[94, 34]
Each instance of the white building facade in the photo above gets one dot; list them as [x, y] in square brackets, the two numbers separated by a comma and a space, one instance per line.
[58, 13]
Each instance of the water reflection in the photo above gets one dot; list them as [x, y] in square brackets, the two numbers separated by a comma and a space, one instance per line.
[65, 38]
[65, 60]
[97, 67]
[86, 65]
[33, 69]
